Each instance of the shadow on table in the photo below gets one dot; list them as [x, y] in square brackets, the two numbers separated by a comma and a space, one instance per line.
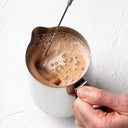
[68, 122]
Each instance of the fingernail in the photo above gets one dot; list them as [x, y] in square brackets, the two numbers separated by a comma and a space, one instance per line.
[76, 123]
[83, 92]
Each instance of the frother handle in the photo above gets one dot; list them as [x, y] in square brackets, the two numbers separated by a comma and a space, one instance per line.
[69, 2]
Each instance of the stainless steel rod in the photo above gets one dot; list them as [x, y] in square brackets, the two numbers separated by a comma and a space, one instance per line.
[68, 4]
[56, 31]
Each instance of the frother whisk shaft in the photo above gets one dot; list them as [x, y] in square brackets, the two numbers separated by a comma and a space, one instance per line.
[68, 4]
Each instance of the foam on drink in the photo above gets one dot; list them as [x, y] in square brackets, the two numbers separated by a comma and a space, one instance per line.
[66, 61]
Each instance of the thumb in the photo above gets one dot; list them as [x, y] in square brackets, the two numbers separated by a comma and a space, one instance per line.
[100, 97]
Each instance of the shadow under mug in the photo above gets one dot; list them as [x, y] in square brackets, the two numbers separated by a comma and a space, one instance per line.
[56, 101]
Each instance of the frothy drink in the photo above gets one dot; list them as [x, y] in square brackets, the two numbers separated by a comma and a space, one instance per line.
[67, 60]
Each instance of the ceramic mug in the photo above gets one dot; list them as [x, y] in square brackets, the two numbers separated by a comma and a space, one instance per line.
[56, 101]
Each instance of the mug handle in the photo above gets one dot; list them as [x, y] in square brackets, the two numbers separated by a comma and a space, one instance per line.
[72, 89]
[81, 84]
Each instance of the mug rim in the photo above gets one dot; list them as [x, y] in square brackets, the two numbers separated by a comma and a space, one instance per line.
[52, 28]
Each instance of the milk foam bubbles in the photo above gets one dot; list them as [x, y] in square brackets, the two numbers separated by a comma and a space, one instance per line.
[67, 60]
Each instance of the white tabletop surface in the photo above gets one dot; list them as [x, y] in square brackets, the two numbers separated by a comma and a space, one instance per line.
[104, 23]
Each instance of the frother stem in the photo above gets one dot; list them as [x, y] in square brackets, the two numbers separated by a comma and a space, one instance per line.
[68, 4]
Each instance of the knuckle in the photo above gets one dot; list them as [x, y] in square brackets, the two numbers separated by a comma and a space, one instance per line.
[124, 102]
[125, 97]
[99, 96]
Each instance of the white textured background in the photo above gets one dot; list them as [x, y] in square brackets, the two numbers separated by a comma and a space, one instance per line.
[104, 23]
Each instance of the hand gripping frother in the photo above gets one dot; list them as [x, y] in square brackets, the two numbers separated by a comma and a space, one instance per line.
[68, 4]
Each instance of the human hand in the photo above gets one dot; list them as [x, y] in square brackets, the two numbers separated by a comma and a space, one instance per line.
[115, 116]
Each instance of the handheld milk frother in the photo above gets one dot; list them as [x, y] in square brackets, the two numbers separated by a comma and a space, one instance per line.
[68, 4]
